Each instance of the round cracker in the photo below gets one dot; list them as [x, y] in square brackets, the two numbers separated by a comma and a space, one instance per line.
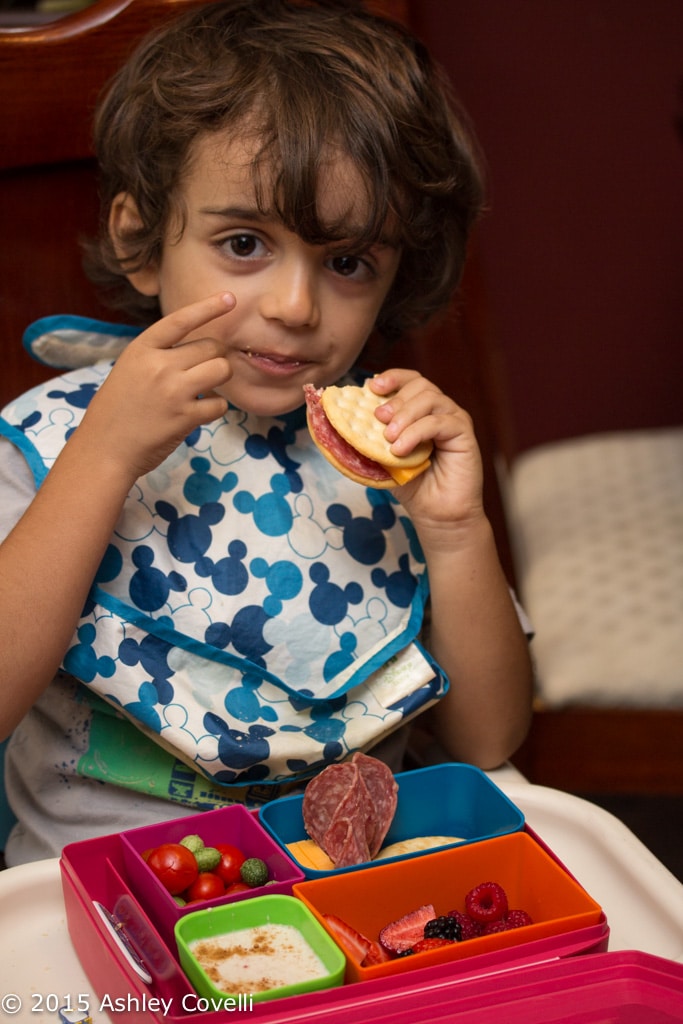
[334, 461]
[415, 845]
[351, 411]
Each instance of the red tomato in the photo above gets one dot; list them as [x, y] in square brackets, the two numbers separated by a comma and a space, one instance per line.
[206, 886]
[174, 865]
[232, 859]
[237, 887]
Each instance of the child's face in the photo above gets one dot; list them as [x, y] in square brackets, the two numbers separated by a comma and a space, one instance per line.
[303, 311]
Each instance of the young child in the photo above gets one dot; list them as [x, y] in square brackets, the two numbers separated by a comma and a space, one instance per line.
[278, 182]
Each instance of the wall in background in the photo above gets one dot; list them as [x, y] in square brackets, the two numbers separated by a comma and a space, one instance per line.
[575, 103]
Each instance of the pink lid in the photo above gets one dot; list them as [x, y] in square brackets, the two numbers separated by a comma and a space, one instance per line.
[626, 987]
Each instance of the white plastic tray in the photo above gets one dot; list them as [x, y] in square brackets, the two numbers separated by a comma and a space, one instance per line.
[38, 965]
[643, 902]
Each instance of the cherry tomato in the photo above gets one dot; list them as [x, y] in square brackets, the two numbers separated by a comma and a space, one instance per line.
[206, 886]
[174, 865]
[237, 887]
[232, 859]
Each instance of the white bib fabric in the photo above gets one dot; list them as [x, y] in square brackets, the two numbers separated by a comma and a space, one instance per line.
[256, 613]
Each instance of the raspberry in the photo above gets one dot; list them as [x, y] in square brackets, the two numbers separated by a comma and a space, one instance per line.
[443, 927]
[469, 928]
[486, 902]
[513, 919]
[517, 919]
[493, 927]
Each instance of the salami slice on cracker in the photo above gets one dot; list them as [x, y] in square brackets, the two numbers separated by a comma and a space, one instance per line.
[343, 425]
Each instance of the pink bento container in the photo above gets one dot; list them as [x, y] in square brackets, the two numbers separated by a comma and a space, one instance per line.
[96, 871]
[232, 824]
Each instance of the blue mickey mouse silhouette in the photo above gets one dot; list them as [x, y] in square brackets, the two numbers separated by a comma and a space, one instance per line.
[243, 752]
[152, 653]
[144, 708]
[323, 728]
[399, 585]
[149, 587]
[229, 575]
[202, 487]
[271, 512]
[242, 702]
[80, 399]
[189, 536]
[340, 660]
[275, 443]
[284, 581]
[363, 536]
[328, 601]
[81, 660]
[302, 642]
[245, 633]
[218, 635]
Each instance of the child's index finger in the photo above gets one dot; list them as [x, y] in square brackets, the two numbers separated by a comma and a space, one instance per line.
[173, 328]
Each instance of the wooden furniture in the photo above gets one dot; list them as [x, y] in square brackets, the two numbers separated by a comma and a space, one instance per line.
[598, 526]
[50, 77]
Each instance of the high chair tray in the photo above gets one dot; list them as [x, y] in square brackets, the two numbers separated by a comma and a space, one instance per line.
[642, 900]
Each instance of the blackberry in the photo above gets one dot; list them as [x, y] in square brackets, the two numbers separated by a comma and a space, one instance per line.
[443, 927]
[404, 952]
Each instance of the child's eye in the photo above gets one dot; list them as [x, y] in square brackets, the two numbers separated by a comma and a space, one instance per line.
[351, 266]
[244, 246]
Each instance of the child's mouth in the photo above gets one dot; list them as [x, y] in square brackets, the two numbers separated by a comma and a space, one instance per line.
[275, 363]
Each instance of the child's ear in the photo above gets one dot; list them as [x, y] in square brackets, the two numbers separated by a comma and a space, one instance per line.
[125, 220]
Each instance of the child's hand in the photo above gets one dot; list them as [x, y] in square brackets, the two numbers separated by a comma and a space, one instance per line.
[161, 388]
[450, 492]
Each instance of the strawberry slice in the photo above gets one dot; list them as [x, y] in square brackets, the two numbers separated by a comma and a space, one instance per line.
[402, 934]
[424, 944]
[375, 955]
[352, 942]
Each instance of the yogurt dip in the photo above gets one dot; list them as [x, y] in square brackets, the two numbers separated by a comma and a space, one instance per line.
[258, 959]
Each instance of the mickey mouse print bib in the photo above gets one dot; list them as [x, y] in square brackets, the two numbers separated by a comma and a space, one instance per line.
[256, 613]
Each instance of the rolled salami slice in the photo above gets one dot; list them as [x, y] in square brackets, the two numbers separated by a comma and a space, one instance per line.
[348, 809]
[383, 791]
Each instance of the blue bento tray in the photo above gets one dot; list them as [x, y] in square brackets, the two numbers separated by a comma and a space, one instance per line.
[449, 799]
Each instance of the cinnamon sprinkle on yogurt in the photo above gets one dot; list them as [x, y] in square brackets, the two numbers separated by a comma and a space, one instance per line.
[258, 959]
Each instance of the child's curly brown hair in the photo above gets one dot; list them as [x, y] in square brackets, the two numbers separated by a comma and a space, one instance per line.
[304, 76]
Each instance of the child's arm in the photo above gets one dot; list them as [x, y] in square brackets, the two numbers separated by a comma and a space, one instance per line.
[475, 634]
[142, 412]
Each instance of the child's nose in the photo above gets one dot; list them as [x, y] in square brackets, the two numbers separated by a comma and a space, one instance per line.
[292, 296]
